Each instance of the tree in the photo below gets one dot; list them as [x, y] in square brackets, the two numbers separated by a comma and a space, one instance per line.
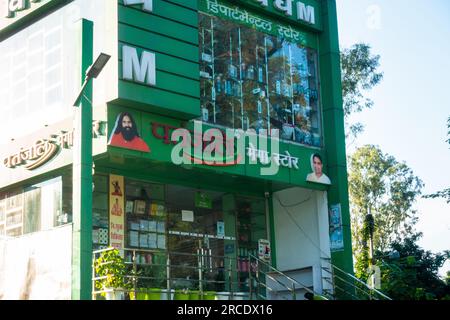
[413, 275]
[446, 192]
[359, 71]
[388, 189]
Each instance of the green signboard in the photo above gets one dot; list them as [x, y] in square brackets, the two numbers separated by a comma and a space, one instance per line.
[255, 21]
[152, 138]
[302, 12]
[202, 200]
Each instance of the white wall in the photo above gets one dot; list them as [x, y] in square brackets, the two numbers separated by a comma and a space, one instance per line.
[301, 230]
[37, 266]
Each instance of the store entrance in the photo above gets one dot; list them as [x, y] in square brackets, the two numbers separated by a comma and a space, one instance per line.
[200, 239]
[196, 237]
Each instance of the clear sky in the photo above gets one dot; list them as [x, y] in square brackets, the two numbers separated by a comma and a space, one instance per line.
[412, 103]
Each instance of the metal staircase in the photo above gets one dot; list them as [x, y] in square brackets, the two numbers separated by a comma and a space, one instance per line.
[268, 283]
[347, 286]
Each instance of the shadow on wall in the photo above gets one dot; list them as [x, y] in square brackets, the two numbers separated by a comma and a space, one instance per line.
[29, 279]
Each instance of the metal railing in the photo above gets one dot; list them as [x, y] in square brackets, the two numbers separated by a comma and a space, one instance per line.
[262, 271]
[348, 286]
[175, 275]
[153, 274]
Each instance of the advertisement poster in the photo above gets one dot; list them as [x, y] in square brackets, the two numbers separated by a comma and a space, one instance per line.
[116, 212]
[336, 232]
[264, 250]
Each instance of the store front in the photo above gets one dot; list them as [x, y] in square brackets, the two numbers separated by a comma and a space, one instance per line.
[217, 135]
[183, 221]
[217, 229]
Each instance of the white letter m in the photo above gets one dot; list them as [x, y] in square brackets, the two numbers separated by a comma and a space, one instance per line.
[306, 13]
[143, 71]
[148, 4]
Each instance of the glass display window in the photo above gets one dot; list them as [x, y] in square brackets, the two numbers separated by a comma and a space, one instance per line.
[194, 227]
[253, 80]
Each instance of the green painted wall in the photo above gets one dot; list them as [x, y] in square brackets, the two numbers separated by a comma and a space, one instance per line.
[170, 32]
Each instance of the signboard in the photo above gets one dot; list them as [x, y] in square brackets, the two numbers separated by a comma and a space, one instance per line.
[304, 12]
[169, 144]
[336, 231]
[265, 25]
[116, 212]
[42, 151]
[202, 200]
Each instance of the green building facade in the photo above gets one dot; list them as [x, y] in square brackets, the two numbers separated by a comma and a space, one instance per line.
[211, 144]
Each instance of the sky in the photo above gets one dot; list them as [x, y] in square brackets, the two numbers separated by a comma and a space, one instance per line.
[412, 103]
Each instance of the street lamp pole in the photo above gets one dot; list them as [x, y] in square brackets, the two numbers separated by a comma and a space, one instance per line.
[371, 226]
[82, 169]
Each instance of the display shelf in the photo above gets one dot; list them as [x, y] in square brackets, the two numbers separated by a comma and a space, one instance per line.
[146, 224]
[100, 218]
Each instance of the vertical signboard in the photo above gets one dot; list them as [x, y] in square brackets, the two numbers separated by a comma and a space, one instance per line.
[336, 232]
[116, 212]
[264, 252]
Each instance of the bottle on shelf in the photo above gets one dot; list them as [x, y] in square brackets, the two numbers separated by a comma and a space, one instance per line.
[250, 72]
[228, 87]
[218, 84]
[278, 87]
[213, 93]
[233, 71]
[205, 114]
[259, 106]
[246, 122]
[261, 74]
